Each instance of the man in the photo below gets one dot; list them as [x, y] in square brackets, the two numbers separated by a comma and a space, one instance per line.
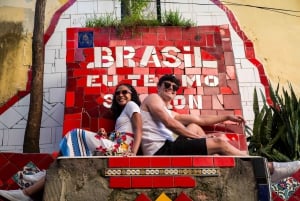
[160, 124]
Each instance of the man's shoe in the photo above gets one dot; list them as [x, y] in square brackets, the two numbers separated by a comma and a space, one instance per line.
[284, 169]
[34, 177]
[15, 195]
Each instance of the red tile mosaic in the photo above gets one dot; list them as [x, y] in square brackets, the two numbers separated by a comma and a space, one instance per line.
[174, 34]
[232, 101]
[149, 39]
[184, 182]
[294, 198]
[157, 162]
[142, 162]
[183, 197]
[226, 90]
[224, 161]
[141, 182]
[10, 169]
[296, 175]
[243, 142]
[200, 161]
[119, 162]
[205, 37]
[207, 102]
[297, 193]
[233, 86]
[182, 161]
[216, 104]
[120, 182]
[142, 197]
[163, 182]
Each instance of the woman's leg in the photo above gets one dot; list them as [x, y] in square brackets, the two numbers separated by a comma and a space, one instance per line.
[79, 142]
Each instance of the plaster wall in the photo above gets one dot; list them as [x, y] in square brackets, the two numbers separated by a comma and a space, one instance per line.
[275, 34]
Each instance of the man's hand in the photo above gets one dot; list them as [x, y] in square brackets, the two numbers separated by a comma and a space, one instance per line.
[237, 118]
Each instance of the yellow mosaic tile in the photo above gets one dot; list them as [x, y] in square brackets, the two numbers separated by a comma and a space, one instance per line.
[163, 197]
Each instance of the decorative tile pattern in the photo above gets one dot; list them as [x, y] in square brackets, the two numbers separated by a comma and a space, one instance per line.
[163, 197]
[183, 197]
[85, 39]
[142, 197]
[161, 171]
[286, 188]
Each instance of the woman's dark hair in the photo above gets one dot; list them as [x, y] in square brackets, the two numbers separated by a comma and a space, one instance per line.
[116, 108]
[168, 77]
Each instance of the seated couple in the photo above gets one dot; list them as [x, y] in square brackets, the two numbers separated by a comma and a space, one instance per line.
[151, 125]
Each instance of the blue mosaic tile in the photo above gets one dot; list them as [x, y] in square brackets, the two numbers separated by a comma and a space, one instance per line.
[85, 39]
[286, 187]
[264, 192]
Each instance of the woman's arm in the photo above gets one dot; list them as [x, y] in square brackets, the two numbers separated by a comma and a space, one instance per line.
[137, 124]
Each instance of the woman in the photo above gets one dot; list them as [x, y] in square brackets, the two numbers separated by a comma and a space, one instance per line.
[124, 140]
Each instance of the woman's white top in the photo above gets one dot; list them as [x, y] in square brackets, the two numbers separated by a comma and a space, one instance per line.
[123, 122]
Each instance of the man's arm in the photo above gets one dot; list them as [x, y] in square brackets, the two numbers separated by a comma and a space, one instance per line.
[207, 120]
[154, 104]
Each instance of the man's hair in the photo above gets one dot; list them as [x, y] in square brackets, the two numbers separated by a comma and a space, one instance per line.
[168, 77]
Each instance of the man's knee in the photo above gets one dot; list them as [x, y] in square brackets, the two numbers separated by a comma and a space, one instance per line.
[196, 129]
[220, 140]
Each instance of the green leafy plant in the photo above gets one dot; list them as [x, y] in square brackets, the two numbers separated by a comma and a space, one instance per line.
[104, 21]
[134, 18]
[135, 8]
[171, 18]
[275, 133]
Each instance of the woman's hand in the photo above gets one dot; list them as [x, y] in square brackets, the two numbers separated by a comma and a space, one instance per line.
[102, 132]
[129, 153]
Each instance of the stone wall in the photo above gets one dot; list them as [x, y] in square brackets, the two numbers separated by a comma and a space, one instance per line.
[86, 179]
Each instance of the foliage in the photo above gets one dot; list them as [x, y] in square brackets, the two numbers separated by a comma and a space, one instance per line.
[171, 18]
[275, 133]
[104, 21]
[134, 18]
[135, 8]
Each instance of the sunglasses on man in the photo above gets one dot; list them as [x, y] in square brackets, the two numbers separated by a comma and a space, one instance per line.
[169, 85]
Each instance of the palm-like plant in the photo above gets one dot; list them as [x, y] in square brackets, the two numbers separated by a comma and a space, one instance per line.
[275, 133]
